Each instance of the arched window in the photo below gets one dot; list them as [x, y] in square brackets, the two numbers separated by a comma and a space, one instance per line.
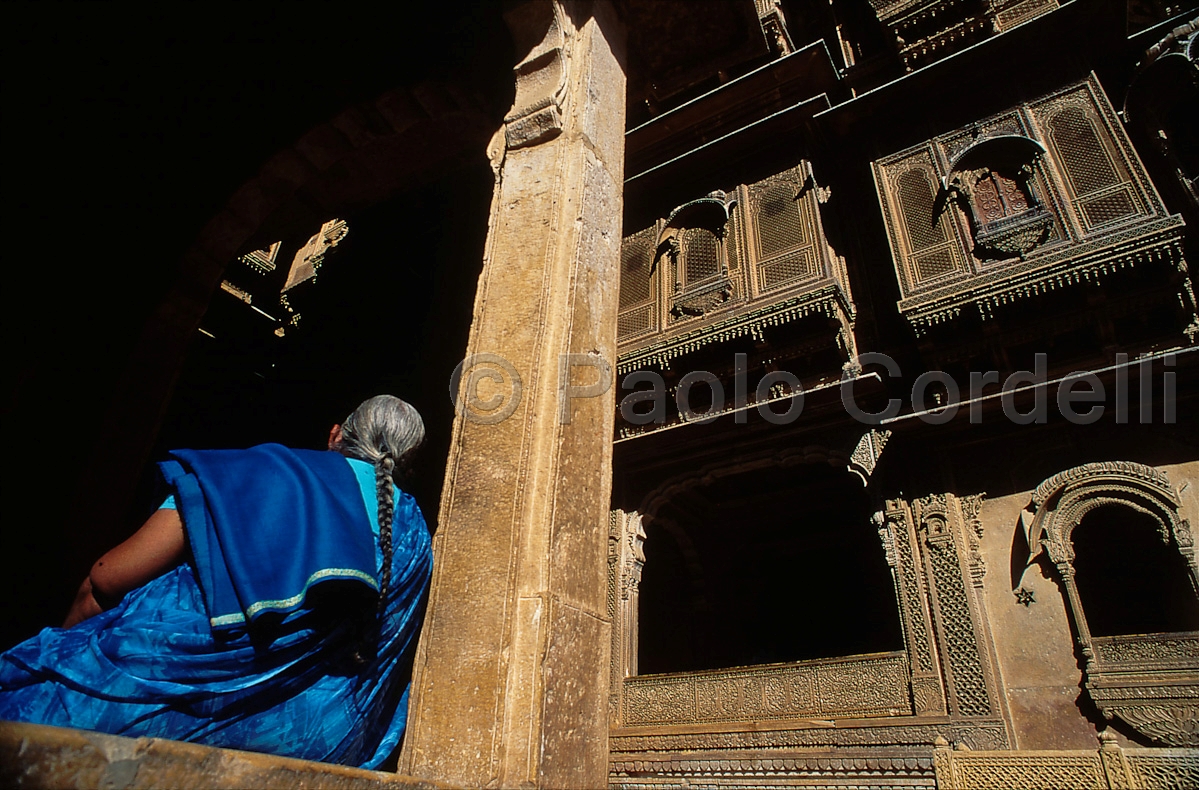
[1130, 580]
[993, 183]
[694, 245]
[1127, 564]
[700, 256]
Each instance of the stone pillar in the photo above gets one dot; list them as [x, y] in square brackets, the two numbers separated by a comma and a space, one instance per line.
[510, 684]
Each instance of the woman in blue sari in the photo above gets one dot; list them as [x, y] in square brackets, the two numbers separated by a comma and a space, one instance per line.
[271, 604]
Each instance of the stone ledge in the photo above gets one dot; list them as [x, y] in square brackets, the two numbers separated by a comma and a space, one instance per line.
[33, 755]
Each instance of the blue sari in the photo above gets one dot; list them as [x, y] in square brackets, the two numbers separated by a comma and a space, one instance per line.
[292, 680]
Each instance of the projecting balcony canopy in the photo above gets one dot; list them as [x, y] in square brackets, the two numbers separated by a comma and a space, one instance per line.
[1001, 152]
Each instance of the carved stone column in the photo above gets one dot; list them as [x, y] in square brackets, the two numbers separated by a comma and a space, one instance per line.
[626, 559]
[510, 686]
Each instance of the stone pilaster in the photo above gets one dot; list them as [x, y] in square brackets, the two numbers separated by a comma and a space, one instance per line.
[510, 686]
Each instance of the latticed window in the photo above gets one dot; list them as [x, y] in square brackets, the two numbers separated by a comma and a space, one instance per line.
[780, 228]
[1086, 162]
[700, 256]
[1101, 190]
[783, 239]
[916, 200]
[637, 291]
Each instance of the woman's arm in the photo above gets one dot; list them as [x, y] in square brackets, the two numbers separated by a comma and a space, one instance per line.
[151, 551]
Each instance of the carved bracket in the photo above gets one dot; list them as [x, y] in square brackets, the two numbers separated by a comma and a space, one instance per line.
[865, 455]
[541, 76]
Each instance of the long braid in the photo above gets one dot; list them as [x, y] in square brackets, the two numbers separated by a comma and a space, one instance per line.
[384, 468]
[384, 431]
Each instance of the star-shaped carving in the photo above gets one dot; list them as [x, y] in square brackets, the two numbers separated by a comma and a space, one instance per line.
[1025, 597]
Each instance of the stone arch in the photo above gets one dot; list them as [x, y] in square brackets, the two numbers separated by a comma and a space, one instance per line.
[1061, 502]
[403, 140]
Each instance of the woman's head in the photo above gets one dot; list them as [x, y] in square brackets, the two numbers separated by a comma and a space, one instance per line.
[383, 430]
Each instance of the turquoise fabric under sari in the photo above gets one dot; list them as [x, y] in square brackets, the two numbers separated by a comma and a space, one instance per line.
[295, 684]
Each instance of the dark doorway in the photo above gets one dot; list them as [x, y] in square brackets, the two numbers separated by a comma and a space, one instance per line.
[775, 565]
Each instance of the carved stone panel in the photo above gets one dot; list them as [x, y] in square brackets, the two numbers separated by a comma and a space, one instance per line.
[1107, 767]
[938, 574]
[853, 687]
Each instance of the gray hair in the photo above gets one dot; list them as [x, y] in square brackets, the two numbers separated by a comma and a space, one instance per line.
[385, 432]
[382, 427]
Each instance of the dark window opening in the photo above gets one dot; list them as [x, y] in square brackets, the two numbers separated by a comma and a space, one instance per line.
[773, 565]
[389, 313]
[1129, 580]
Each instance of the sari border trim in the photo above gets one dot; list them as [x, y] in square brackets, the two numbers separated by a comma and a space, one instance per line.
[281, 604]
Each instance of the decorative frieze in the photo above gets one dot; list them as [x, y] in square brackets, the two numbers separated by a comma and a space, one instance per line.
[899, 732]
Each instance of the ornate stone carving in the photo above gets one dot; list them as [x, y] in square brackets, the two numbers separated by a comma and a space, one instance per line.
[971, 505]
[1175, 725]
[865, 455]
[1149, 650]
[634, 557]
[1076, 209]
[964, 663]
[854, 687]
[928, 693]
[1109, 767]
[1125, 469]
[1163, 768]
[626, 558]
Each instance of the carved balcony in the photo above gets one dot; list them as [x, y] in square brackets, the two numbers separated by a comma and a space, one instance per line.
[1150, 681]
[750, 270]
[1045, 198]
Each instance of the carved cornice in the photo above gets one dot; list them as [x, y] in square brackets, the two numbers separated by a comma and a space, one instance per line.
[868, 766]
[898, 732]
